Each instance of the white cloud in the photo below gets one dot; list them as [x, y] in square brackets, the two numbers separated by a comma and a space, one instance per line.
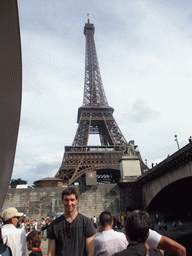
[144, 50]
[22, 170]
[140, 112]
[50, 159]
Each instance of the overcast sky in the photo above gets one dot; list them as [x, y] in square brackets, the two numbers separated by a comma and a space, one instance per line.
[144, 51]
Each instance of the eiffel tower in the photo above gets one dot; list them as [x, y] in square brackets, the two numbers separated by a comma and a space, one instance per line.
[94, 117]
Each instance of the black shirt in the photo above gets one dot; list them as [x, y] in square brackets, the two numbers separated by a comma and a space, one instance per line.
[138, 249]
[81, 228]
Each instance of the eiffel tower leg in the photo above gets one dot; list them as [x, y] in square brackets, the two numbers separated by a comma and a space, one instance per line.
[82, 134]
[115, 132]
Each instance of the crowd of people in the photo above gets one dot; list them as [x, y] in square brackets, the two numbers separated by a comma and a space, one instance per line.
[178, 224]
[73, 234]
[162, 225]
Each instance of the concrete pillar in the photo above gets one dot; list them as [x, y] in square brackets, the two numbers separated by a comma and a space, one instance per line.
[130, 168]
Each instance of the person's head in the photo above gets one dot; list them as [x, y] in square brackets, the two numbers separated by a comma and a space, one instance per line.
[24, 220]
[137, 226]
[105, 220]
[11, 216]
[131, 208]
[48, 220]
[34, 239]
[69, 199]
[69, 191]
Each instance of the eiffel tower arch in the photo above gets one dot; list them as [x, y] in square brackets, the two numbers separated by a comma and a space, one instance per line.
[95, 117]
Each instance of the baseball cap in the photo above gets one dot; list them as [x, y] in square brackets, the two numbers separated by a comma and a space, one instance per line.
[10, 213]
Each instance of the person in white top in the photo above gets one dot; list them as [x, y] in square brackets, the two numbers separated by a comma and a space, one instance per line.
[155, 240]
[13, 237]
[108, 241]
[94, 219]
[23, 226]
[95, 223]
[34, 224]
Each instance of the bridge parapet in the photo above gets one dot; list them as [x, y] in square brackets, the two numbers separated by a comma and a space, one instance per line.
[176, 160]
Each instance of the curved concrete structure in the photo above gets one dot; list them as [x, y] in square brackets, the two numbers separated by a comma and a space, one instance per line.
[174, 168]
[10, 90]
[152, 189]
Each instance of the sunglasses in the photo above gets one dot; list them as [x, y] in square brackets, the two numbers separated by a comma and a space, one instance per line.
[68, 230]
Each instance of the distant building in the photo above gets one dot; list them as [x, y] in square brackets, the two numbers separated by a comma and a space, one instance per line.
[49, 182]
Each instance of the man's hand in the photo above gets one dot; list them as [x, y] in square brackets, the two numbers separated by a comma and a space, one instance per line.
[90, 246]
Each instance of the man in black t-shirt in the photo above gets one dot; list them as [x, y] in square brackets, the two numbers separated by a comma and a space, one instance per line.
[72, 233]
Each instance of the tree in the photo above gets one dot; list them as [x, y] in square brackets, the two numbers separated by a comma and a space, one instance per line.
[34, 185]
[15, 182]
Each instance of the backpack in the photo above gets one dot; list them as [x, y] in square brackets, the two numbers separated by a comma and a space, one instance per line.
[4, 249]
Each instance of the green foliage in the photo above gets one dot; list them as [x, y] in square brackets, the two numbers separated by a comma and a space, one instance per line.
[15, 182]
[34, 185]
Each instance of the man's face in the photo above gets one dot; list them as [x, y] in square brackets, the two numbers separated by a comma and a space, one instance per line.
[70, 202]
[14, 220]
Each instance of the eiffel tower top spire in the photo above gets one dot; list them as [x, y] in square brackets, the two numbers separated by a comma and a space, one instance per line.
[94, 94]
[88, 18]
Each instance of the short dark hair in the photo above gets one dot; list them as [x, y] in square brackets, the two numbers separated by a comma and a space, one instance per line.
[35, 237]
[69, 191]
[105, 218]
[7, 221]
[132, 208]
[137, 226]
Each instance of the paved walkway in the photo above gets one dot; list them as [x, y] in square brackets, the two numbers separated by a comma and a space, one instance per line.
[171, 232]
[175, 233]
[44, 246]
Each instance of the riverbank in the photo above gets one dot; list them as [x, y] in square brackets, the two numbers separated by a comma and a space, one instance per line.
[175, 233]
[182, 236]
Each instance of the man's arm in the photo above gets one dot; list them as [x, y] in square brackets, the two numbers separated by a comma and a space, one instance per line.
[51, 247]
[23, 241]
[168, 245]
[90, 246]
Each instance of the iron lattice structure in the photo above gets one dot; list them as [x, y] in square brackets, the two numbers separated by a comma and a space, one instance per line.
[94, 117]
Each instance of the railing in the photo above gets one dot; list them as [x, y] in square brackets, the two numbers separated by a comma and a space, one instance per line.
[94, 148]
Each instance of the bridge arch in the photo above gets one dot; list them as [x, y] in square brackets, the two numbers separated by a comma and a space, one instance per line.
[173, 201]
[151, 189]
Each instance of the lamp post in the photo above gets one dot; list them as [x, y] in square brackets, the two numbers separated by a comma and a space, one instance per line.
[177, 141]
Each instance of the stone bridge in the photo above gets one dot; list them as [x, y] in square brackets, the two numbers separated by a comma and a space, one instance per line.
[167, 187]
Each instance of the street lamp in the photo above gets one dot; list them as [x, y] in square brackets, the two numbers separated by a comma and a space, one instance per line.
[177, 141]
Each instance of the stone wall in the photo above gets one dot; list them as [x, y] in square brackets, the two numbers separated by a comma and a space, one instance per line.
[130, 194]
[43, 202]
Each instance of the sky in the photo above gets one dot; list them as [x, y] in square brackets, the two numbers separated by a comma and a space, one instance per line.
[144, 50]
